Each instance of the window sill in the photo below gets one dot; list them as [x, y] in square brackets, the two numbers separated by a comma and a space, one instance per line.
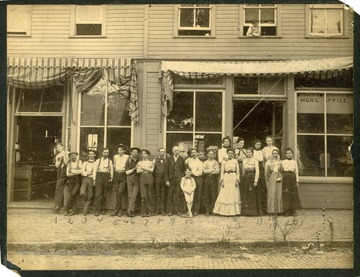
[259, 37]
[206, 37]
[19, 35]
[325, 180]
[326, 37]
[87, 37]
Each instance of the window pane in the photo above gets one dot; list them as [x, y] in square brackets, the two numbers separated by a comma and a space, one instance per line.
[117, 113]
[88, 29]
[310, 123]
[318, 21]
[17, 19]
[208, 111]
[181, 117]
[52, 100]
[92, 109]
[312, 157]
[334, 22]
[184, 141]
[339, 123]
[267, 16]
[251, 14]
[187, 18]
[246, 85]
[96, 14]
[202, 18]
[272, 86]
[203, 141]
[30, 100]
[91, 138]
[194, 33]
[115, 136]
[340, 160]
[82, 14]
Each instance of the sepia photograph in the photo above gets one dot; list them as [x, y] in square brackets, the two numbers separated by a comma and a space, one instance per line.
[179, 136]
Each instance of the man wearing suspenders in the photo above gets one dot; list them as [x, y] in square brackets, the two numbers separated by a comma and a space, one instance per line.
[61, 161]
[103, 175]
[87, 182]
[73, 173]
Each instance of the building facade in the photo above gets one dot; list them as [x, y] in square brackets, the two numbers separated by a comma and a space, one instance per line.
[187, 75]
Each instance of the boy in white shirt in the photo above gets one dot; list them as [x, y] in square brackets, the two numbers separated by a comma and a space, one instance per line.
[188, 186]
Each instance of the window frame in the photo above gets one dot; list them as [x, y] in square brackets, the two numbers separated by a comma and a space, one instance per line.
[325, 135]
[193, 132]
[28, 23]
[73, 22]
[104, 127]
[277, 24]
[344, 17]
[212, 9]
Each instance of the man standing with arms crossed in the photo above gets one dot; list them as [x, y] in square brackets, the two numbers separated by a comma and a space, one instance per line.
[61, 161]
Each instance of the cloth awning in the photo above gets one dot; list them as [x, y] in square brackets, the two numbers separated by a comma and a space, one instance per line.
[315, 68]
[39, 73]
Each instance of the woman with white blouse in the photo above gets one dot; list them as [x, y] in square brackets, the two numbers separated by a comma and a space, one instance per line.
[290, 195]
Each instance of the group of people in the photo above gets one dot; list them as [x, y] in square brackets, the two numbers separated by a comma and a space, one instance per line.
[250, 181]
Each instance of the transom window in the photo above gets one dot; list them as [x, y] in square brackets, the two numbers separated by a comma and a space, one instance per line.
[194, 20]
[326, 20]
[104, 118]
[90, 20]
[195, 121]
[265, 14]
[18, 20]
[325, 133]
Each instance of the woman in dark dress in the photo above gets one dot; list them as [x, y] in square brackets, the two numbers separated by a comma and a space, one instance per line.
[290, 195]
[249, 182]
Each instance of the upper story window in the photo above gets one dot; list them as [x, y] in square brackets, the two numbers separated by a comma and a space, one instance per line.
[326, 20]
[89, 20]
[194, 20]
[261, 16]
[19, 20]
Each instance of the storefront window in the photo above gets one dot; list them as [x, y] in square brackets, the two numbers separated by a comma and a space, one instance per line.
[104, 119]
[325, 128]
[195, 121]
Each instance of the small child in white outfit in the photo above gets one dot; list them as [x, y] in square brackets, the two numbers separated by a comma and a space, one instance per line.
[188, 186]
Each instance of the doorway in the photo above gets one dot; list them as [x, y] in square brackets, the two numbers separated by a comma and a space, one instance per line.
[253, 120]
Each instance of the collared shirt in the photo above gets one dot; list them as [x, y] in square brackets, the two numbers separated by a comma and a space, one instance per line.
[147, 164]
[74, 168]
[211, 167]
[159, 165]
[88, 168]
[103, 165]
[131, 164]
[240, 154]
[62, 159]
[175, 158]
[258, 154]
[188, 184]
[120, 161]
[196, 166]
[267, 152]
[291, 165]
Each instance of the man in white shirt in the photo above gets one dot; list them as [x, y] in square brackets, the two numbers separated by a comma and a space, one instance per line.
[197, 169]
[87, 182]
[103, 175]
[61, 161]
[73, 173]
[119, 178]
[211, 180]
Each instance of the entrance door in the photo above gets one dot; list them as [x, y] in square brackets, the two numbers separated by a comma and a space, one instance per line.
[253, 120]
[35, 174]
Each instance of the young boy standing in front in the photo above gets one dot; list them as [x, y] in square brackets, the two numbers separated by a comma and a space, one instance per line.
[188, 186]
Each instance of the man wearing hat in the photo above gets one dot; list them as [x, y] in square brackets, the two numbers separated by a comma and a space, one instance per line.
[132, 179]
[61, 161]
[119, 177]
[87, 182]
[254, 30]
[103, 176]
[73, 173]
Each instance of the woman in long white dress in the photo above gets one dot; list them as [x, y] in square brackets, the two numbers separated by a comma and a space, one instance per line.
[228, 201]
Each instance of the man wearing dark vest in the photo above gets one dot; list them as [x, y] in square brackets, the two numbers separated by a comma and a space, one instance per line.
[87, 182]
[61, 161]
[174, 170]
[159, 177]
[133, 180]
[73, 173]
[103, 175]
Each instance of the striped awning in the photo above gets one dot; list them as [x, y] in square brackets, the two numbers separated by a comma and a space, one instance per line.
[39, 73]
[318, 68]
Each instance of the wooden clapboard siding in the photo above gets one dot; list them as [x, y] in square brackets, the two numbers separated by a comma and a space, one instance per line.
[50, 34]
[335, 196]
[227, 44]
